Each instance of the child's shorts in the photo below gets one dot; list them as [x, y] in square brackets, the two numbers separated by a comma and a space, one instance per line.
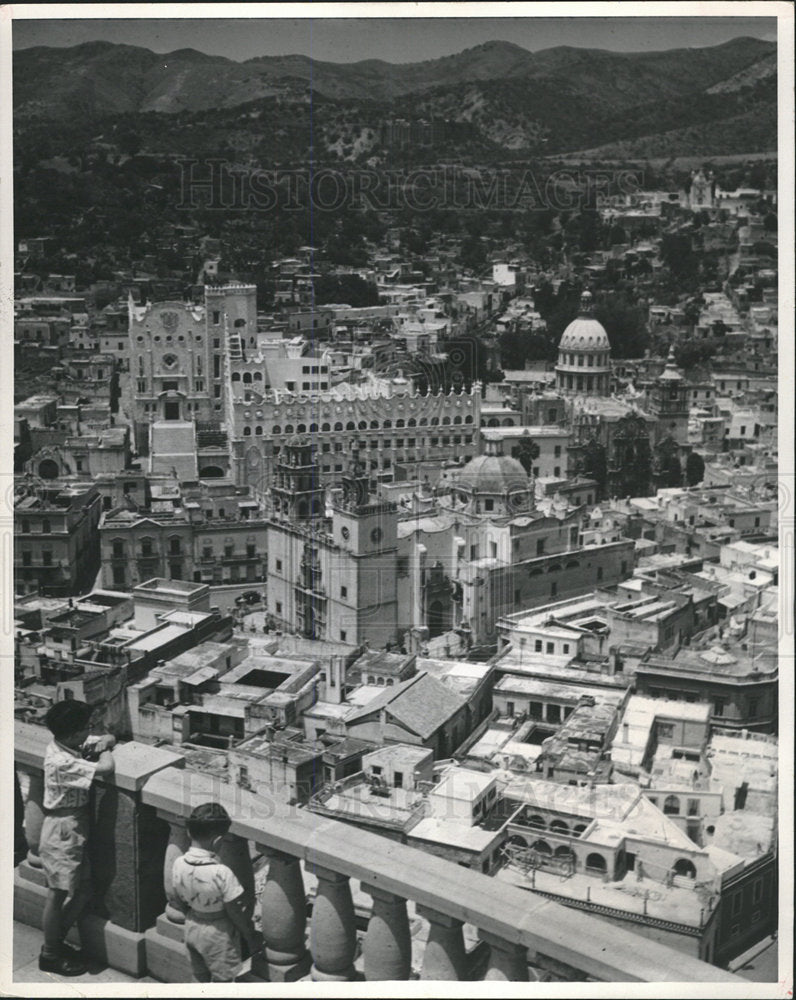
[62, 849]
[214, 948]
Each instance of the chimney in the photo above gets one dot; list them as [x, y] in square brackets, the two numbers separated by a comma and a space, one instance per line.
[335, 686]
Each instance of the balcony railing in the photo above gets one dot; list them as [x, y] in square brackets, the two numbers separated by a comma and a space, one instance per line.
[136, 926]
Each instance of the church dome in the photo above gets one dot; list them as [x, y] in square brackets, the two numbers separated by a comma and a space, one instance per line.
[585, 333]
[493, 474]
[301, 440]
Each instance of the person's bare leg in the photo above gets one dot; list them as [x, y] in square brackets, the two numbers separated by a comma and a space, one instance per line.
[74, 907]
[52, 921]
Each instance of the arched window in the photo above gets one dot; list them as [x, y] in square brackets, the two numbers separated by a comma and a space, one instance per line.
[338, 426]
[236, 376]
[516, 841]
[247, 378]
[140, 366]
[301, 428]
[564, 852]
[325, 427]
[374, 425]
[685, 868]
[258, 431]
[362, 425]
[175, 545]
[313, 428]
[435, 421]
[541, 847]
[457, 420]
[258, 376]
[276, 429]
[671, 805]
[399, 423]
[559, 826]
[578, 829]
[350, 426]
[446, 421]
[387, 424]
[247, 431]
[288, 428]
[596, 863]
[146, 547]
[468, 419]
[537, 823]
[411, 422]
[424, 421]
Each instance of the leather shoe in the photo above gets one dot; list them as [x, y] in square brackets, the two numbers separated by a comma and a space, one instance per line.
[62, 965]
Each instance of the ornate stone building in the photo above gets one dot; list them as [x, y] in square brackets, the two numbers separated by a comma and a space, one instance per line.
[386, 421]
[330, 577]
[201, 385]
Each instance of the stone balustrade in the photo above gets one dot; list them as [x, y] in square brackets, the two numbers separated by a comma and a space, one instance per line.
[136, 926]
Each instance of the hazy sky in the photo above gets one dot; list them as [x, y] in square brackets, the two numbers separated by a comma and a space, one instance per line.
[393, 39]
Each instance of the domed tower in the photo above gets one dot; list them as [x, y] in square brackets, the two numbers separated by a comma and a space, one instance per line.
[584, 354]
[494, 484]
[297, 493]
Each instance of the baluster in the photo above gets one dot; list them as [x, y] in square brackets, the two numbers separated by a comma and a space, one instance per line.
[283, 908]
[387, 948]
[444, 958]
[177, 846]
[332, 931]
[507, 962]
[34, 817]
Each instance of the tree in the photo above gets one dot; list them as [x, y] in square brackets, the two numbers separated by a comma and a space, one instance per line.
[678, 255]
[527, 453]
[694, 469]
[595, 464]
[348, 288]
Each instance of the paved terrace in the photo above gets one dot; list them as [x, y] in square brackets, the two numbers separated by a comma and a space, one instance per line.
[139, 830]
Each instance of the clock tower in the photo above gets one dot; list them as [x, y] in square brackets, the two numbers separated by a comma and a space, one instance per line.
[361, 524]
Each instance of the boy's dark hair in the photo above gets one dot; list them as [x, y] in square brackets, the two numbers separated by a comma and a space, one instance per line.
[67, 717]
[208, 820]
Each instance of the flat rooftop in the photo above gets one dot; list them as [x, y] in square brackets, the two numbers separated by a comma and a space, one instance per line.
[169, 587]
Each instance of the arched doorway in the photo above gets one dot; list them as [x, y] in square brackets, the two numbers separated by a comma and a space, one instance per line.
[48, 469]
[211, 472]
[685, 868]
[436, 619]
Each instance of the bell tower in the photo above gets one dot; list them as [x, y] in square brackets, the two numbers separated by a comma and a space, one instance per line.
[297, 493]
[669, 403]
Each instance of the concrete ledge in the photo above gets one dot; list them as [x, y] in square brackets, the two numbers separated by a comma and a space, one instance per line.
[107, 942]
[166, 959]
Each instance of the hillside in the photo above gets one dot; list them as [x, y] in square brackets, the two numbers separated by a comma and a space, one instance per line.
[493, 101]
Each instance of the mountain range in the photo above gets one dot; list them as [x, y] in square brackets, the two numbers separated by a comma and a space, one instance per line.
[504, 97]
